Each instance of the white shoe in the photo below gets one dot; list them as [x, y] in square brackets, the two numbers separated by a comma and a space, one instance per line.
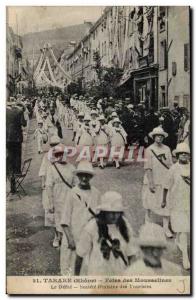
[56, 242]
[168, 233]
[186, 264]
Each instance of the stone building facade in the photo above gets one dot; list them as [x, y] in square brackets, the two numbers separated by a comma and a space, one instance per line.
[147, 44]
[17, 66]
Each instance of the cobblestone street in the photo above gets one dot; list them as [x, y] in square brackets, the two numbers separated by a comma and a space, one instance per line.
[29, 243]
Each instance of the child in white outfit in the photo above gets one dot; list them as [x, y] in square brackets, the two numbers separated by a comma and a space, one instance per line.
[39, 135]
[118, 138]
[108, 239]
[177, 187]
[79, 208]
[158, 161]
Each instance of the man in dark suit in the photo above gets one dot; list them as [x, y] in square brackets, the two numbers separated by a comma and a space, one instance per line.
[14, 138]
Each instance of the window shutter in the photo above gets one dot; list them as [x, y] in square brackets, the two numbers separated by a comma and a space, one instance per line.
[174, 68]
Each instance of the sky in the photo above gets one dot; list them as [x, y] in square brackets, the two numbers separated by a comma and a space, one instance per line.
[39, 18]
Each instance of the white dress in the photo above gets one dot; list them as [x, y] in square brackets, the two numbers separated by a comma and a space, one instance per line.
[178, 185]
[78, 129]
[94, 126]
[151, 200]
[76, 215]
[102, 136]
[49, 218]
[85, 136]
[52, 129]
[118, 136]
[89, 245]
[59, 188]
[39, 137]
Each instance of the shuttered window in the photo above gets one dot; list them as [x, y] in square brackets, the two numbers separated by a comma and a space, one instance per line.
[163, 55]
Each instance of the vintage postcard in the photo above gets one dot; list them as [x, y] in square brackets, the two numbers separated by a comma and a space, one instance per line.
[98, 150]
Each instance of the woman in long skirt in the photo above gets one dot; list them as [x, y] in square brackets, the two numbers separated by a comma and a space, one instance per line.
[177, 187]
[158, 161]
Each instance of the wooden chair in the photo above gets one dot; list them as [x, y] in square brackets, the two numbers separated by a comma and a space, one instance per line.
[19, 178]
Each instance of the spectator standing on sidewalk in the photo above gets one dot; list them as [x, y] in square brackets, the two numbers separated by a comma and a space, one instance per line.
[14, 138]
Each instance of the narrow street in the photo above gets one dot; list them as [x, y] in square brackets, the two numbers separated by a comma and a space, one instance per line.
[29, 243]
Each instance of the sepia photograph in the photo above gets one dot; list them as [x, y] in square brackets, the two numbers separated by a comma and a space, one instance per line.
[98, 150]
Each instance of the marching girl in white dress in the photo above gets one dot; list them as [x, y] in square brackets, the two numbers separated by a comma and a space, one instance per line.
[113, 116]
[50, 123]
[85, 137]
[94, 122]
[108, 239]
[102, 138]
[77, 126]
[81, 203]
[177, 187]
[152, 242]
[118, 138]
[46, 162]
[40, 135]
[158, 161]
[57, 188]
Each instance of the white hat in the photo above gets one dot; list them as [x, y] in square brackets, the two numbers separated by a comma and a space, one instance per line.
[81, 114]
[182, 147]
[116, 120]
[111, 201]
[130, 106]
[59, 149]
[54, 140]
[114, 114]
[94, 112]
[84, 166]
[152, 234]
[87, 117]
[158, 131]
[101, 117]
[161, 118]
[12, 99]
